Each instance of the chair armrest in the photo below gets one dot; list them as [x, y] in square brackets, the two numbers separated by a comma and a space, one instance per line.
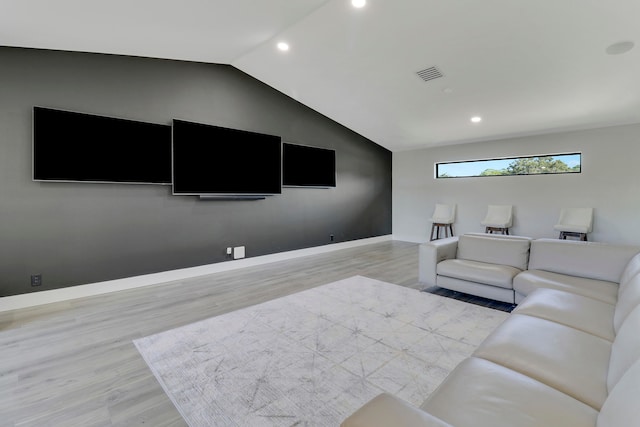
[430, 254]
[386, 410]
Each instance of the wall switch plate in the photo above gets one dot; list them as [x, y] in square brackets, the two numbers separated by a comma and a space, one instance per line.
[238, 252]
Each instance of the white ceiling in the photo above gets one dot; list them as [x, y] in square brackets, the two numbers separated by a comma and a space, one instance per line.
[525, 67]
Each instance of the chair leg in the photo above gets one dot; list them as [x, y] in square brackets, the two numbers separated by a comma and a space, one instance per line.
[451, 229]
[433, 226]
[493, 230]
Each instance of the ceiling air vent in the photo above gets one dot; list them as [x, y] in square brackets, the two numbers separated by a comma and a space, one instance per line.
[429, 74]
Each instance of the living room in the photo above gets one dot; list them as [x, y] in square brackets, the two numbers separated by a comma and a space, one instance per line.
[74, 234]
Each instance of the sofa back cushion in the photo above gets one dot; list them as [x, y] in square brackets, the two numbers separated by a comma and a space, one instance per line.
[632, 269]
[495, 250]
[621, 408]
[628, 299]
[625, 349]
[592, 260]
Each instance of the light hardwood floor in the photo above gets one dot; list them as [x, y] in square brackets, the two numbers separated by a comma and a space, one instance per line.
[74, 363]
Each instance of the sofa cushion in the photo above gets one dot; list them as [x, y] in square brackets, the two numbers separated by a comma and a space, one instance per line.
[628, 299]
[626, 348]
[480, 393]
[493, 250]
[385, 410]
[479, 272]
[631, 270]
[530, 280]
[569, 360]
[621, 408]
[577, 311]
[593, 260]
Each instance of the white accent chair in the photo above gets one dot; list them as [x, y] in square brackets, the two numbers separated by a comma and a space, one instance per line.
[499, 219]
[443, 217]
[575, 222]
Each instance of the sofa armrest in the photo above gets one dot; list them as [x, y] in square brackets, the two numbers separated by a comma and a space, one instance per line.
[430, 254]
[386, 410]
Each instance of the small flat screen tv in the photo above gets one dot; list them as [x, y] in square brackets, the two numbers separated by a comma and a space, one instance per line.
[80, 147]
[304, 166]
[210, 160]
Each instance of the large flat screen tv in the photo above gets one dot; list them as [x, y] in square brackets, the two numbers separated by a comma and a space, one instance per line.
[80, 147]
[304, 166]
[211, 160]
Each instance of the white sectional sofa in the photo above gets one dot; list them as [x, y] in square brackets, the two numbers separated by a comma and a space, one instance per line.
[508, 268]
[567, 356]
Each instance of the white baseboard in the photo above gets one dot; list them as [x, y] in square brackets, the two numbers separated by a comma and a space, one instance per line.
[15, 302]
[410, 238]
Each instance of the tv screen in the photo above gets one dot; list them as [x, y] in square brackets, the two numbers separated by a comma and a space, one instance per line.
[304, 166]
[213, 160]
[70, 146]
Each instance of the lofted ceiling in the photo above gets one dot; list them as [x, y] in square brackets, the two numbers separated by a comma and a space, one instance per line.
[524, 67]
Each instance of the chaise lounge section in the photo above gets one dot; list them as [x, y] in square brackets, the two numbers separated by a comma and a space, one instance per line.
[568, 355]
[479, 264]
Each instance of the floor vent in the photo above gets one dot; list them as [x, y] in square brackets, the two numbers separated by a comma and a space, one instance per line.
[429, 74]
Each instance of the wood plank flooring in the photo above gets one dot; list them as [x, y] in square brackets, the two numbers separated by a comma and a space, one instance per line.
[74, 364]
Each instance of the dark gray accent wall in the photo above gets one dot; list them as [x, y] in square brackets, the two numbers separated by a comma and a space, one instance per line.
[76, 233]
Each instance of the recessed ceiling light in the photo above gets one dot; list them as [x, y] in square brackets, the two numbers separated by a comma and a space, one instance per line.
[476, 119]
[619, 48]
[283, 46]
[358, 3]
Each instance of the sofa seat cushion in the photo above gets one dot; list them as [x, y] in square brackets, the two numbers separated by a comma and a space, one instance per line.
[571, 361]
[530, 280]
[577, 311]
[480, 393]
[479, 272]
[386, 410]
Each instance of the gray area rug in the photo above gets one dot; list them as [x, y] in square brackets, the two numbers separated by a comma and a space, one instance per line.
[314, 357]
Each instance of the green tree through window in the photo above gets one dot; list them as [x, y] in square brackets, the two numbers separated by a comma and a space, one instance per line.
[531, 165]
[536, 165]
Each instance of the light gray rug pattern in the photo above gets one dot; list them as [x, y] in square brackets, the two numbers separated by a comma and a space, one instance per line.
[314, 357]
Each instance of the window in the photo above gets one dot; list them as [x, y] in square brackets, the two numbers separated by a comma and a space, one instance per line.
[530, 165]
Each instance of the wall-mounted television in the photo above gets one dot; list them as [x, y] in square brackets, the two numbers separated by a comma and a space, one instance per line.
[80, 147]
[304, 166]
[211, 160]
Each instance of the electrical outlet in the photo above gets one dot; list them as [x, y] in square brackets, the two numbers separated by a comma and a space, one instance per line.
[238, 252]
[229, 250]
[331, 237]
[36, 279]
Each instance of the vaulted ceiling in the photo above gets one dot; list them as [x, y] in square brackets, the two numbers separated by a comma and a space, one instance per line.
[523, 67]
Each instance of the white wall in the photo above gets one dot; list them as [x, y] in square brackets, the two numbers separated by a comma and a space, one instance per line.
[609, 182]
